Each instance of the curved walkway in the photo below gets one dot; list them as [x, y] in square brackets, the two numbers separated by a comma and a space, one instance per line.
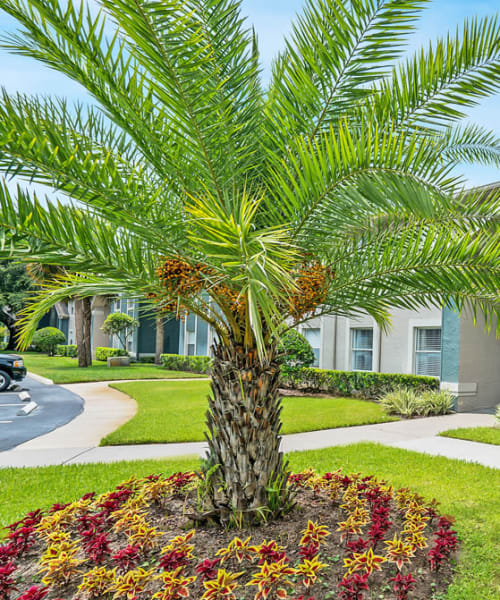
[107, 408]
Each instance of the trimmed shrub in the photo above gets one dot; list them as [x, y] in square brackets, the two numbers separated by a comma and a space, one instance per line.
[47, 339]
[370, 386]
[67, 350]
[408, 404]
[103, 353]
[193, 364]
[296, 352]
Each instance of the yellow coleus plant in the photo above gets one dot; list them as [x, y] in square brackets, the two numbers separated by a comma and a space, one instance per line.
[309, 570]
[314, 534]
[175, 585]
[221, 588]
[97, 581]
[365, 561]
[398, 551]
[238, 549]
[270, 580]
[130, 584]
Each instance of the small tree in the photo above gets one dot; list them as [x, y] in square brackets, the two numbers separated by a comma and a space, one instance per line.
[296, 352]
[47, 339]
[120, 324]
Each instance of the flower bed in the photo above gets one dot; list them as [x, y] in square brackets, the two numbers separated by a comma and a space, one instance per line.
[348, 537]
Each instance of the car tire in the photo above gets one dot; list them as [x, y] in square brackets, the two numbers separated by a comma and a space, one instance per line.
[4, 380]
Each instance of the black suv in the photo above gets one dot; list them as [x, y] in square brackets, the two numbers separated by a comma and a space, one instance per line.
[11, 368]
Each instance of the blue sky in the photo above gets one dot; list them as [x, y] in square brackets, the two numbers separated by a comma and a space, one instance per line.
[272, 20]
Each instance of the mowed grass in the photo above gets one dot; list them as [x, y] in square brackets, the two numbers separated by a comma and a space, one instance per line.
[486, 435]
[170, 411]
[62, 369]
[467, 491]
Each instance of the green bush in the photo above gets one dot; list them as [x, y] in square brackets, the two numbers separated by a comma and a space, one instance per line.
[103, 353]
[370, 386]
[193, 364]
[47, 339]
[295, 352]
[408, 403]
[67, 350]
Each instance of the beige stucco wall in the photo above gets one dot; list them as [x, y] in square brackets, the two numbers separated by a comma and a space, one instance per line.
[479, 365]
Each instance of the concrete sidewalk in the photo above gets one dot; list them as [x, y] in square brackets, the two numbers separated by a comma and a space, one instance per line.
[106, 409]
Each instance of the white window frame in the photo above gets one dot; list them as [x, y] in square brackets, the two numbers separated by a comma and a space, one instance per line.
[186, 337]
[415, 351]
[413, 325]
[352, 349]
[362, 323]
[319, 326]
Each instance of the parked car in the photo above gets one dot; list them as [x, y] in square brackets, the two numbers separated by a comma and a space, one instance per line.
[11, 368]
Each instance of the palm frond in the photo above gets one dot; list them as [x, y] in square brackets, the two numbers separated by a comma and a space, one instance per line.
[335, 51]
[437, 85]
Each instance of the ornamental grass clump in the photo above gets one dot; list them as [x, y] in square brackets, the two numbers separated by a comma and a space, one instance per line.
[348, 537]
[408, 403]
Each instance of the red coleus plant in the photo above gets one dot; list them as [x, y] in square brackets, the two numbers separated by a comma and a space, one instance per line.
[97, 548]
[446, 542]
[23, 538]
[207, 569]
[7, 583]
[403, 585]
[127, 559]
[174, 559]
[7, 553]
[352, 588]
[35, 592]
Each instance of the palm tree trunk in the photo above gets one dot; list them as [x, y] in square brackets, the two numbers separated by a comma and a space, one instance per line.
[244, 423]
[159, 340]
[83, 325]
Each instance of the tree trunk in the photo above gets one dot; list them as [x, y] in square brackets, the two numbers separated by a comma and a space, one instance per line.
[13, 336]
[159, 340]
[244, 422]
[83, 324]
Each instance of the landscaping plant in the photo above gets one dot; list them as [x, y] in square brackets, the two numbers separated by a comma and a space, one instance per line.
[254, 206]
[47, 339]
[136, 542]
[408, 403]
[121, 325]
[296, 352]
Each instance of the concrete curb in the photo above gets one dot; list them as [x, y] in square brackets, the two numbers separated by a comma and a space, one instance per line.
[40, 379]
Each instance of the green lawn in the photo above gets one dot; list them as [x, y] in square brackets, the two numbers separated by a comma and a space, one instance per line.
[487, 435]
[467, 491]
[172, 411]
[62, 369]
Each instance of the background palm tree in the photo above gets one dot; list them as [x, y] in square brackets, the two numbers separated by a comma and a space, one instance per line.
[329, 191]
[43, 275]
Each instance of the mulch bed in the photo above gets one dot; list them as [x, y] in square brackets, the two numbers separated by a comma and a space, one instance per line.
[98, 528]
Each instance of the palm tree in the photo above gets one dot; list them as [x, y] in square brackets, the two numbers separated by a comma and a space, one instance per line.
[330, 190]
[44, 274]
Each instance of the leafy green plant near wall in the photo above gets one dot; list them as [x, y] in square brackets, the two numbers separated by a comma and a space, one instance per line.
[194, 364]
[408, 403]
[70, 350]
[356, 383]
[296, 352]
[47, 339]
[103, 353]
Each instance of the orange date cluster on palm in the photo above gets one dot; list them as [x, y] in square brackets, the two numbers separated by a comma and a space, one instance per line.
[184, 280]
[311, 282]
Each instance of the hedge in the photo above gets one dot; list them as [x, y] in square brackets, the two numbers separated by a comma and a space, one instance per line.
[67, 350]
[103, 353]
[194, 364]
[370, 386]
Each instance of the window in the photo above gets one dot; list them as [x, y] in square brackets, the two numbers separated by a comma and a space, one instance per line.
[191, 334]
[362, 349]
[428, 351]
[313, 336]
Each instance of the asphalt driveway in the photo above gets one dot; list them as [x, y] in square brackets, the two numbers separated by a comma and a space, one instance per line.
[56, 407]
